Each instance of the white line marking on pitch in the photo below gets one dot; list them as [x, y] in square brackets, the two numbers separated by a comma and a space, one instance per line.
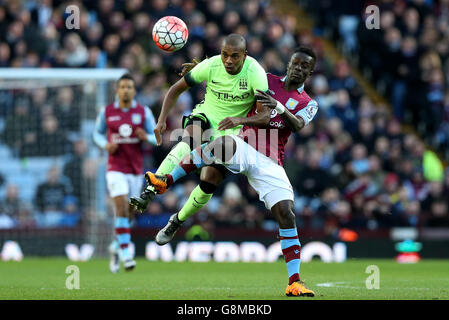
[340, 284]
[335, 284]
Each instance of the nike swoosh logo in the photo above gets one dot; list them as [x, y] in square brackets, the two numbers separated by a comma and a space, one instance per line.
[198, 204]
[215, 81]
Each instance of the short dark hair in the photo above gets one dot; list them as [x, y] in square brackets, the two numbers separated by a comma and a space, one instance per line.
[235, 39]
[306, 50]
[126, 76]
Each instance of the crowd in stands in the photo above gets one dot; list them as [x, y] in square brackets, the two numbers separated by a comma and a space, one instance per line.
[352, 167]
[406, 58]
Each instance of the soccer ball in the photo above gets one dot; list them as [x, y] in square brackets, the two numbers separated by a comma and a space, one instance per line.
[170, 33]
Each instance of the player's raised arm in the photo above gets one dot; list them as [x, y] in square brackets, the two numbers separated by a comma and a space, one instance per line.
[193, 77]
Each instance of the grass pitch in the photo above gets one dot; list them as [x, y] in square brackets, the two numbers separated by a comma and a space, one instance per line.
[39, 278]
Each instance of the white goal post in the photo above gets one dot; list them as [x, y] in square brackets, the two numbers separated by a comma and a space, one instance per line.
[71, 98]
[28, 78]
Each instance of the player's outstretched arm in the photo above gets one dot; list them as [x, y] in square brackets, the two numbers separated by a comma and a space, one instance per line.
[260, 119]
[169, 101]
[294, 123]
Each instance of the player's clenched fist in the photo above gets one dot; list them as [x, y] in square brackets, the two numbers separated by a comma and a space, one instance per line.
[265, 99]
[111, 147]
[159, 130]
[141, 134]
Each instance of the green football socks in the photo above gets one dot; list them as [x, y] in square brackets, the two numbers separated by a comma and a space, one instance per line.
[198, 199]
[173, 158]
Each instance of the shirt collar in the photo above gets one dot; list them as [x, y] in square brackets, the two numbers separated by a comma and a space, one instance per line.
[133, 104]
[300, 89]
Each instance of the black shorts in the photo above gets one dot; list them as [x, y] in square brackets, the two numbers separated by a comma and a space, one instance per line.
[205, 125]
[220, 168]
[194, 118]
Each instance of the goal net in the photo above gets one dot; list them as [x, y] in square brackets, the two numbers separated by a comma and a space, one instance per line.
[53, 197]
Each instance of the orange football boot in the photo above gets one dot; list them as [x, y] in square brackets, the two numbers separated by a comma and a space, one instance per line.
[159, 182]
[298, 288]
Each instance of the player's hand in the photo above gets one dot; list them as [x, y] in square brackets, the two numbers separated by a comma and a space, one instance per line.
[141, 134]
[265, 99]
[158, 131]
[186, 67]
[229, 123]
[111, 147]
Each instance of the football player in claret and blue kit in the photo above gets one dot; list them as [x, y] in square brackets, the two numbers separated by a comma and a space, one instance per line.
[121, 128]
[258, 153]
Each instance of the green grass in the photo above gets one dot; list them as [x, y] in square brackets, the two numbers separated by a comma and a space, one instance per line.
[38, 278]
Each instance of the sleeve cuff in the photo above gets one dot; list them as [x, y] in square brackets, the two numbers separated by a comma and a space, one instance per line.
[151, 138]
[189, 79]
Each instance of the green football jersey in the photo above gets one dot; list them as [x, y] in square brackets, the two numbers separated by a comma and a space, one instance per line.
[227, 95]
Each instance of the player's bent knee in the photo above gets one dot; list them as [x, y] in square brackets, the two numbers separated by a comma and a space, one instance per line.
[289, 215]
[212, 174]
[284, 214]
[121, 206]
[287, 219]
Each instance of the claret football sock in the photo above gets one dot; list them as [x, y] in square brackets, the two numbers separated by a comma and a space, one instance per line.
[291, 249]
[122, 231]
[197, 159]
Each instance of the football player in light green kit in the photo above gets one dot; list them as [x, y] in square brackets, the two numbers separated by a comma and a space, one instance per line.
[232, 79]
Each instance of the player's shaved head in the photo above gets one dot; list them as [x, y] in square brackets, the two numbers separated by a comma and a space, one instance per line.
[233, 53]
[235, 40]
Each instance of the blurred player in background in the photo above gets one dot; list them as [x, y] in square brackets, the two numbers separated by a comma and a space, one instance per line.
[232, 79]
[258, 153]
[121, 128]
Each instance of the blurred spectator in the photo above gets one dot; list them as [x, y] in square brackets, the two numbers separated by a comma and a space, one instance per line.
[344, 110]
[72, 214]
[360, 163]
[366, 134]
[342, 79]
[49, 199]
[51, 140]
[438, 214]
[76, 52]
[20, 127]
[5, 54]
[14, 212]
[66, 110]
[170, 202]
[231, 209]
[73, 170]
[312, 179]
